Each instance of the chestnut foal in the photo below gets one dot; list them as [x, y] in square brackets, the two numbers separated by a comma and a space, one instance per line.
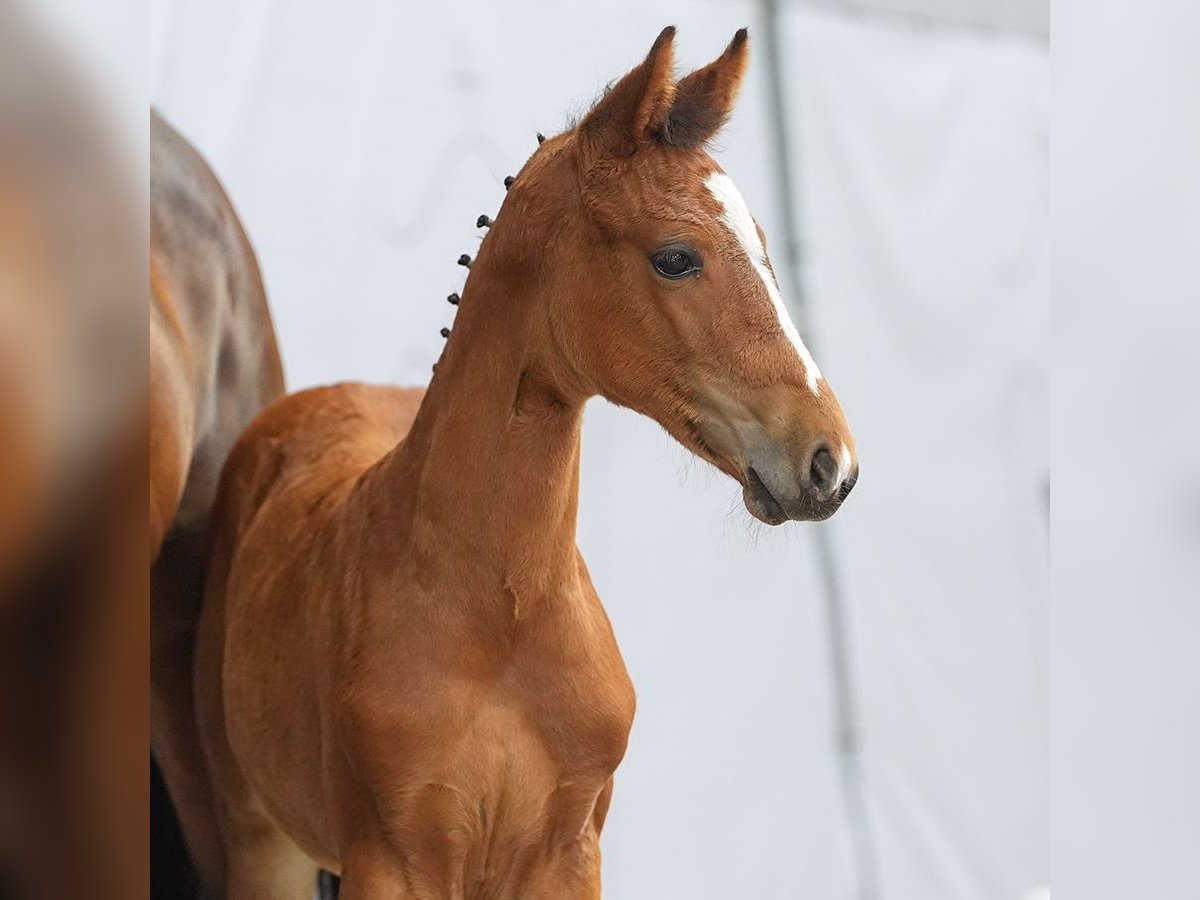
[405, 675]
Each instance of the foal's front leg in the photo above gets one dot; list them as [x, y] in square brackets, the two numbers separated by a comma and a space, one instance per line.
[368, 873]
[265, 865]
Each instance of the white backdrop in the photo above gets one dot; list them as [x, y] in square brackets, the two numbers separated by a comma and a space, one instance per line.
[1125, 621]
[361, 140]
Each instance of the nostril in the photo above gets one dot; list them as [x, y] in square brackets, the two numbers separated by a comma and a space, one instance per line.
[823, 470]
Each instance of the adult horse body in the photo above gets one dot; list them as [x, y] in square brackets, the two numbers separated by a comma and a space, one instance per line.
[213, 366]
[459, 737]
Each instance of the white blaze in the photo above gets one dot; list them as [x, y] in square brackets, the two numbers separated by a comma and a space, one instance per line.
[737, 218]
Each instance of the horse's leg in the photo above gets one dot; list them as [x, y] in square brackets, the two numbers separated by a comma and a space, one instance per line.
[263, 863]
[369, 874]
[177, 583]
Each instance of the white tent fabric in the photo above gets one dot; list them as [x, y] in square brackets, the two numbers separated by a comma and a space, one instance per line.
[1126, 558]
[925, 195]
[1031, 17]
[360, 142]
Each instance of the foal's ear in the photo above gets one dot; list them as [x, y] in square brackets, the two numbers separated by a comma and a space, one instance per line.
[704, 99]
[635, 109]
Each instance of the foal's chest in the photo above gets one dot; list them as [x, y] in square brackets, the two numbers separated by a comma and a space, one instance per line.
[507, 780]
[489, 747]
[520, 732]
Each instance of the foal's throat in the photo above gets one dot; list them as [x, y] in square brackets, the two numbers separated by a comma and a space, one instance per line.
[489, 472]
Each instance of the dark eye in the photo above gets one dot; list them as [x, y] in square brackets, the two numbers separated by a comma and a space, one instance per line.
[675, 262]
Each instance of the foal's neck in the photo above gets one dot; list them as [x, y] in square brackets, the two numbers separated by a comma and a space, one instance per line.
[487, 479]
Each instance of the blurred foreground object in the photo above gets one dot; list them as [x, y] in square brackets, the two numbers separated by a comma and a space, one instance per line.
[74, 598]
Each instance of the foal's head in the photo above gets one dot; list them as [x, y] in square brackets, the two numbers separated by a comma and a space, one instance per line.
[661, 297]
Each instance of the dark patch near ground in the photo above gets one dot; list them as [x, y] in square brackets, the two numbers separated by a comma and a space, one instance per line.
[171, 874]
[328, 885]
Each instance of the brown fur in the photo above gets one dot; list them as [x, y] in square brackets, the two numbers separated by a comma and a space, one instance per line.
[213, 365]
[404, 673]
[704, 99]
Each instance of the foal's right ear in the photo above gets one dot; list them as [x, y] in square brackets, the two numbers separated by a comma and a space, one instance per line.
[704, 100]
[635, 109]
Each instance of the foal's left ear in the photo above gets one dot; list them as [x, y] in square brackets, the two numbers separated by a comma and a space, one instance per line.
[635, 109]
[705, 99]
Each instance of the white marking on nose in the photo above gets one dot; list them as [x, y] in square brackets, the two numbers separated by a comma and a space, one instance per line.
[844, 464]
[737, 218]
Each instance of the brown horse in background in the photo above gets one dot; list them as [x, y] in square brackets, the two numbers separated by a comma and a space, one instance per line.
[213, 366]
[459, 735]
